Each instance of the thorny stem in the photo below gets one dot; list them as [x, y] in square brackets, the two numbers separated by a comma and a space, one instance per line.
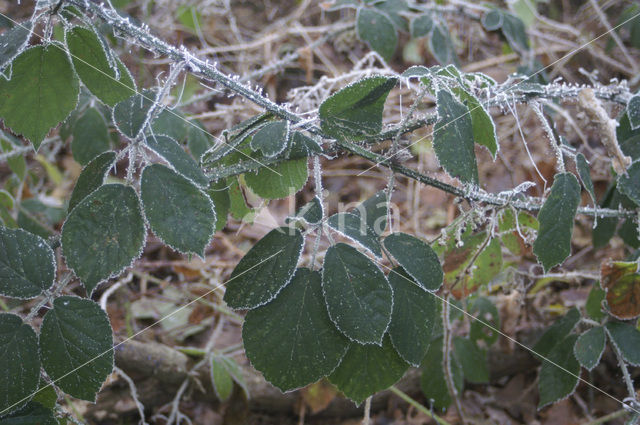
[446, 357]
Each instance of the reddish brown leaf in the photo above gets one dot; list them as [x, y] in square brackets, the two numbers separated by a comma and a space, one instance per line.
[622, 283]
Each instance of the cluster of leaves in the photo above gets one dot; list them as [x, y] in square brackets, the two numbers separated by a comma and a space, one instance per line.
[378, 23]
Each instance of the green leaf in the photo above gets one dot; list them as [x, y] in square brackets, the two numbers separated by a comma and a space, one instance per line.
[222, 369]
[355, 112]
[453, 139]
[221, 379]
[492, 20]
[487, 314]
[179, 160]
[484, 130]
[585, 175]
[90, 136]
[515, 32]
[32, 413]
[413, 317]
[395, 10]
[265, 269]
[13, 41]
[286, 179]
[556, 332]
[27, 264]
[352, 227]
[97, 70]
[130, 115]
[627, 338]
[271, 139]
[358, 295]
[76, 343]
[198, 139]
[237, 202]
[553, 243]
[291, 340]
[16, 163]
[219, 194]
[311, 212]
[559, 373]
[593, 306]
[303, 146]
[473, 360]
[170, 122]
[629, 184]
[441, 45]
[19, 362]
[417, 258]
[421, 26]
[590, 346]
[367, 369]
[46, 394]
[103, 234]
[91, 177]
[178, 212]
[42, 91]
[378, 31]
[633, 111]
[432, 381]
[374, 212]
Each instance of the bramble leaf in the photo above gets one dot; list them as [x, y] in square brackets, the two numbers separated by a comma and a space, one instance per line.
[311, 212]
[91, 177]
[96, 69]
[590, 346]
[377, 29]
[556, 332]
[633, 111]
[629, 184]
[417, 258]
[179, 160]
[351, 226]
[177, 211]
[76, 343]
[355, 112]
[27, 264]
[90, 136]
[13, 41]
[554, 383]
[487, 312]
[421, 26]
[278, 181]
[19, 362]
[265, 269]
[593, 306]
[485, 267]
[103, 234]
[221, 379]
[367, 369]
[441, 45]
[358, 295]
[130, 115]
[413, 317]
[271, 139]
[32, 413]
[171, 122]
[432, 381]
[553, 243]
[374, 212]
[585, 175]
[622, 284]
[484, 130]
[453, 139]
[42, 91]
[473, 360]
[627, 338]
[291, 340]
